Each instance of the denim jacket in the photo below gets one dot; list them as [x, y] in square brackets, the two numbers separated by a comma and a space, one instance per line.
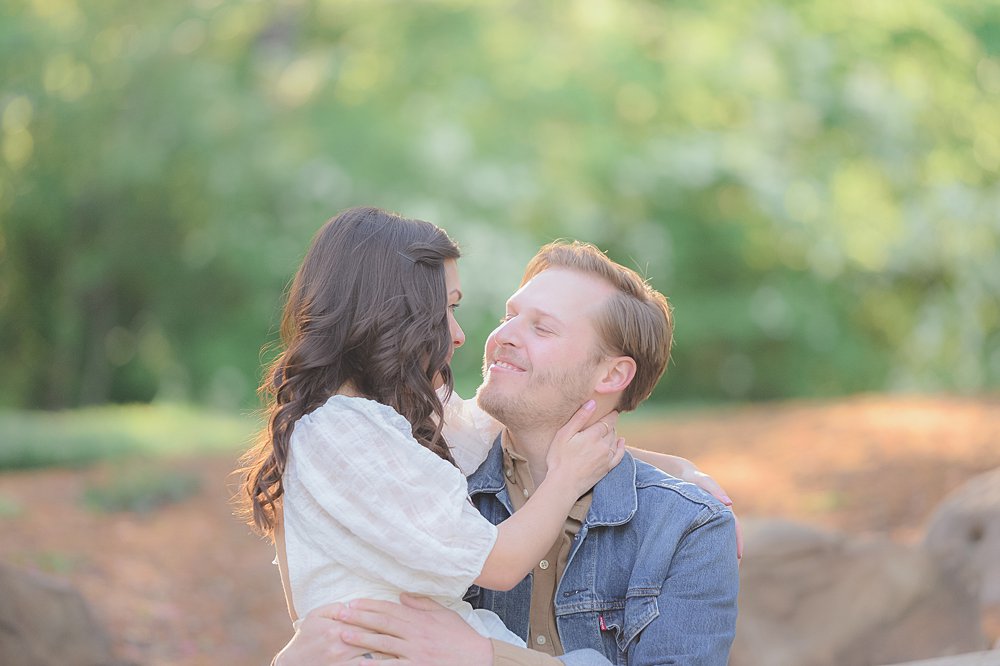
[651, 578]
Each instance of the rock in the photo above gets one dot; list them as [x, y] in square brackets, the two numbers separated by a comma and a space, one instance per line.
[963, 535]
[811, 597]
[46, 622]
[991, 658]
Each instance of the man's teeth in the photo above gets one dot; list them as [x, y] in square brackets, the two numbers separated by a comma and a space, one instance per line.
[506, 366]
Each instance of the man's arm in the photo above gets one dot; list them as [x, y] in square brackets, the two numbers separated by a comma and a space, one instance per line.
[422, 632]
[418, 630]
[317, 641]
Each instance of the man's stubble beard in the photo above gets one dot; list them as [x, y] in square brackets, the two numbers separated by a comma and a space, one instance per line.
[520, 412]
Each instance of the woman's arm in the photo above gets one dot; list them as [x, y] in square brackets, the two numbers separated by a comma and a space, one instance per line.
[578, 458]
[683, 469]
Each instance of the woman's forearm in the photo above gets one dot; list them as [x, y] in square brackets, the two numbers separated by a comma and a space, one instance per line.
[524, 538]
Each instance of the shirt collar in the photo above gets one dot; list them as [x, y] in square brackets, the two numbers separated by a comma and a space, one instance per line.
[615, 499]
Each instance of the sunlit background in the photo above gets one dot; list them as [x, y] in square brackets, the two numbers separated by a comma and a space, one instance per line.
[814, 184]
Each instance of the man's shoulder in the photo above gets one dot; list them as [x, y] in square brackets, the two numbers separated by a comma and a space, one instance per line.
[660, 492]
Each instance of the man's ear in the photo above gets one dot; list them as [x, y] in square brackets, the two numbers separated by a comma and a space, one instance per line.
[618, 374]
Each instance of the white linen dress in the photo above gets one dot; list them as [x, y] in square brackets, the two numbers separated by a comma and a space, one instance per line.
[369, 513]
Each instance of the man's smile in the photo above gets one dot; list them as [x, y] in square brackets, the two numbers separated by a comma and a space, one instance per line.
[505, 365]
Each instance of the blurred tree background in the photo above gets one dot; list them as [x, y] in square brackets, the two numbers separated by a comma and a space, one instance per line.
[814, 184]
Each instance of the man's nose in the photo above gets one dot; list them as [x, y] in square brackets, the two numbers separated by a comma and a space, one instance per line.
[506, 333]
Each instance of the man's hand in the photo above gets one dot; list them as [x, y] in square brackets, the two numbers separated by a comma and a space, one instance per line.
[419, 632]
[317, 642]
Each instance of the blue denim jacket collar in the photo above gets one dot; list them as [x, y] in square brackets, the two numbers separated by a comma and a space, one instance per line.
[615, 498]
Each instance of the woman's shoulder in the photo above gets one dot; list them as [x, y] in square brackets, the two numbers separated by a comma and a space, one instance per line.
[353, 412]
[368, 434]
[470, 432]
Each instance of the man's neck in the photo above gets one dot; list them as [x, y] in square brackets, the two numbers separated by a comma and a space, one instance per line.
[533, 445]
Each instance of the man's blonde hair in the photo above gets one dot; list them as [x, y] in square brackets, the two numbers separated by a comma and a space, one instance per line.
[635, 322]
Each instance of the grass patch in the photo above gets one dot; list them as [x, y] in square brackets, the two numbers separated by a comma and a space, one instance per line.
[824, 501]
[140, 488]
[54, 562]
[80, 437]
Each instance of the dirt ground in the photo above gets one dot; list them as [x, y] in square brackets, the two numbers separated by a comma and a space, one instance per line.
[188, 584]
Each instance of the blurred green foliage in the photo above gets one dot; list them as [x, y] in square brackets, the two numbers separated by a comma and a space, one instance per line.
[814, 184]
[79, 437]
[140, 487]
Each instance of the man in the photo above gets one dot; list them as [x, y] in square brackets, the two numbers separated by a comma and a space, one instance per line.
[645, 571]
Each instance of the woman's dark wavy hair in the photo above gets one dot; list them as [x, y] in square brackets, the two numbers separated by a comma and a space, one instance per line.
[368, 308]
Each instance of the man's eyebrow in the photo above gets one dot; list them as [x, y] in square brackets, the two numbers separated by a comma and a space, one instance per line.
[545, 314]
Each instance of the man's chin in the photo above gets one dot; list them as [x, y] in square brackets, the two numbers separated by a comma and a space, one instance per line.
[490, 402]
[483, 398]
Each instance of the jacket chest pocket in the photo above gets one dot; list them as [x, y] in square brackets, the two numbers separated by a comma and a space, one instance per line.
[620, 626]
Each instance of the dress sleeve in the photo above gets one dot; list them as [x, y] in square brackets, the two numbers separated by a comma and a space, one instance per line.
[382, 504]
[469, 431]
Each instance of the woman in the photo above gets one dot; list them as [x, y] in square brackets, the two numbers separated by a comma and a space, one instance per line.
[353, 478]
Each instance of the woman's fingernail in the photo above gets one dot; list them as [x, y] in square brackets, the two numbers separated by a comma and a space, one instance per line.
[589, 405]
[726, 500]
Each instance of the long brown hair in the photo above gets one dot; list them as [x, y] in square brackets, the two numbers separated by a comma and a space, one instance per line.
[367, 308]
